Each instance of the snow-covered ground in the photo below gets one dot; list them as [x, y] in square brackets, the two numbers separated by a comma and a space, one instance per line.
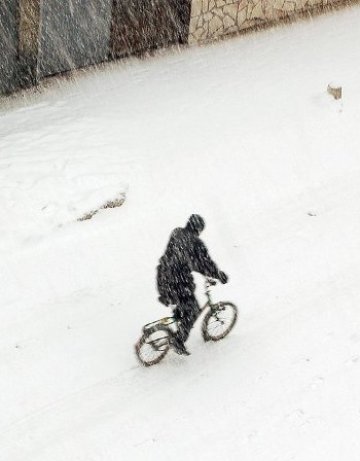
[244, 133]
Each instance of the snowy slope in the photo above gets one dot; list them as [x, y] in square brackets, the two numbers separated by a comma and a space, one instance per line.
[244, 133]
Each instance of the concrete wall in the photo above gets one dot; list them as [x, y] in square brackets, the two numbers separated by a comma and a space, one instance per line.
[45, 37]
[73, 34]
[8, 45]
[143, 25]
[211, 19]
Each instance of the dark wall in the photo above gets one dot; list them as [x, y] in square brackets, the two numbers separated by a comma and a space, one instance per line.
[45, 37]
[73, 34]
[8, 45]
[141, 25]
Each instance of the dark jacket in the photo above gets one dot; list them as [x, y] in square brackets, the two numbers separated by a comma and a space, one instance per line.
[185, 253]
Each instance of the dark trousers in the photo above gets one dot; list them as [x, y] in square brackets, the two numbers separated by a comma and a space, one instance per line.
[186, 313]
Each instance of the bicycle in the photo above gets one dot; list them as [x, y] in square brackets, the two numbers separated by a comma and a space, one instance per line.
[155, 342]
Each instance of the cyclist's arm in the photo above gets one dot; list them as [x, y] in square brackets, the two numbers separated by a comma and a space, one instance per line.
[202, 261]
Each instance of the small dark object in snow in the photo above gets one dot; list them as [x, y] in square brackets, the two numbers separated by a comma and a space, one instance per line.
[311, 213]
[335, 90]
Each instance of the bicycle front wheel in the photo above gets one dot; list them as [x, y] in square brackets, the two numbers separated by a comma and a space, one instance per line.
[219, 321]
[153, 346]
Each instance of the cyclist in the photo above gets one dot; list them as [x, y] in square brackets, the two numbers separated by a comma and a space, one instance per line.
[185, 253]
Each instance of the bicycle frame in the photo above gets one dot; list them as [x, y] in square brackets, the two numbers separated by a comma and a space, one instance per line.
[208, 283]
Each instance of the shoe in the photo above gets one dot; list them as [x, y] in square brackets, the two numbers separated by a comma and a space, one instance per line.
[182, 351]
[179, 347]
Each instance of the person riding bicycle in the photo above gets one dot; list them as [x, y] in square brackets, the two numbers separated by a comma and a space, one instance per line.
[184, 254]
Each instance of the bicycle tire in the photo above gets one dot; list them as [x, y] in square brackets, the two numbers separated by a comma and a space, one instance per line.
[146, 339]
[213, 315]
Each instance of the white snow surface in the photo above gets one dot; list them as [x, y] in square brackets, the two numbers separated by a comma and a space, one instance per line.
[244, 133]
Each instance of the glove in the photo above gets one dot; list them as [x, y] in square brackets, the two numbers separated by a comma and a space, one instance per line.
[223, 277]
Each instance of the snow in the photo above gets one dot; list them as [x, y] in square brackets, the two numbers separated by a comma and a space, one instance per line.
[244, 133]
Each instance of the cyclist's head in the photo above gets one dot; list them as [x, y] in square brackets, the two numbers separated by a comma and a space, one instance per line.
[196, 224]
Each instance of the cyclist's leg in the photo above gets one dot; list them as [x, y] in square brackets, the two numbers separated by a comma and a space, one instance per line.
[186, 314]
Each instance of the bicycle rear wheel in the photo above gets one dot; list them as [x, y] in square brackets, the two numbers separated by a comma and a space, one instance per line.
[153, 346]
[219, 321]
